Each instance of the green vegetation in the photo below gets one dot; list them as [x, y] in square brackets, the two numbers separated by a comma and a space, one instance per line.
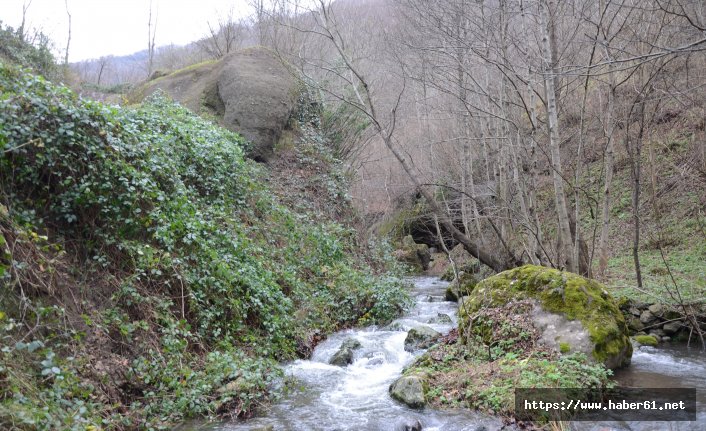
[31, 49]
[151, 275]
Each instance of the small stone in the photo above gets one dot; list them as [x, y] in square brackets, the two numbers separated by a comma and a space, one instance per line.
[634, 311]
[666, 339]
[647, 317]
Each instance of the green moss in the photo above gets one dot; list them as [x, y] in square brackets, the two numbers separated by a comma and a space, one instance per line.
[564, 347]
[575, 297]
[647, 340]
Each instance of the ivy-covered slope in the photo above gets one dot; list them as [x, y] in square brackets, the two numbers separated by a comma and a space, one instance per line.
[147, 272]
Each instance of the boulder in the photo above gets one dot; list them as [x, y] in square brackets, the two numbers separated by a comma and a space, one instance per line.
[259, 95]
[568, 310]
[417, 255]
[420, 337]
[344, 355]
[249, 92]
[410, 390]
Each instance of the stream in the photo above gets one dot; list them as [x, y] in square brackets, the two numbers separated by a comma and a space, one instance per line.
[328, 398]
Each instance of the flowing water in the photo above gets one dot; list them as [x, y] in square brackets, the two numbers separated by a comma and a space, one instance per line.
[356, 397]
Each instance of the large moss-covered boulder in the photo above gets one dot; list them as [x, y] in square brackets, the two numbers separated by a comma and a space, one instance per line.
[572, 312]
[416, 255]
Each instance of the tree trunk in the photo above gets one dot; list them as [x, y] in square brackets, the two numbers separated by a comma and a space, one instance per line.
[555, 141]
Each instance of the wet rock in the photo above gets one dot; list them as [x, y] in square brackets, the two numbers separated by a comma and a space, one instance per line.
[647, 317]
[409, 425]
[671, 328]
[441, 318]
[666, 339]
[344, 355]
[420, 337]
[410, 391]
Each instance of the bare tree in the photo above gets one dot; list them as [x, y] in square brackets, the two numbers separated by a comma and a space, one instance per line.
[151, 33]
[224, 37]
[22, 29]
[68, 39]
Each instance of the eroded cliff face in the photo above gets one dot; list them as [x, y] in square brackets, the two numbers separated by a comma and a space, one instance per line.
[249, 92]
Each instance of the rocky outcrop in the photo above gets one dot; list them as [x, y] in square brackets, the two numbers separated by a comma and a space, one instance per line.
[410, 390]
[572, 313]
[249, 92]
[420, 337]
[344, 355]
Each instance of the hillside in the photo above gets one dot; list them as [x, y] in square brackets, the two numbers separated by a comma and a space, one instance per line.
[151, 273]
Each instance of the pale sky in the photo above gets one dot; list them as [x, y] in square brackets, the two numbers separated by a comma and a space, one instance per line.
[118, 27]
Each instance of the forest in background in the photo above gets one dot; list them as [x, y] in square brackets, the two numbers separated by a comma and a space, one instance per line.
[567, 134]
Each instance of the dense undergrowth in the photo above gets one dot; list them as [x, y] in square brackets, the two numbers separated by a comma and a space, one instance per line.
[147, 273]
